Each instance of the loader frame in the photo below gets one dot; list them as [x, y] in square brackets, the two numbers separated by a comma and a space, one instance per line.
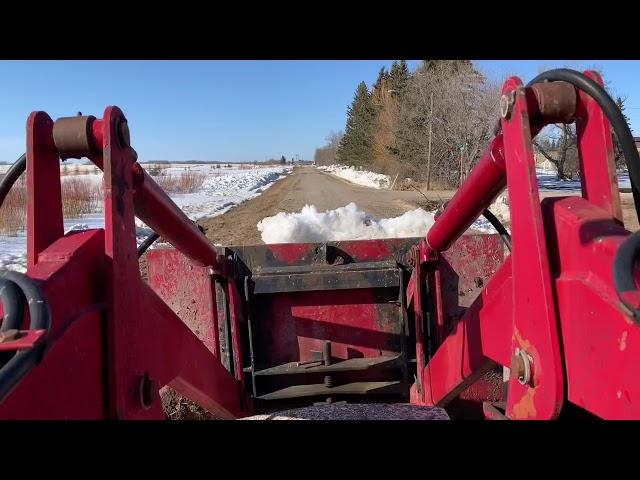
[426, 321]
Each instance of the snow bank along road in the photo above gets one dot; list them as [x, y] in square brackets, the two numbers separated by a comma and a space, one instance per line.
[222, 189]
[313, 187]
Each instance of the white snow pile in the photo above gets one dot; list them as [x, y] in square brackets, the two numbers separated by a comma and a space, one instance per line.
[344, 223]
[352, 223]
[358, 176]
[500, 208]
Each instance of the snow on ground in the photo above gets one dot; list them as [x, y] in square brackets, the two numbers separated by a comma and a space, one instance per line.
[548, 182]
[223, 189]
[500, 208]
[361, 177]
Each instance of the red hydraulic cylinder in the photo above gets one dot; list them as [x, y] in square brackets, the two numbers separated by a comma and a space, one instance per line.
[483, 185]
[154, 207]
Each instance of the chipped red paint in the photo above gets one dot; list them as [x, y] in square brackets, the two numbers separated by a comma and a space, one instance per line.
[470, 310]
[193, 300]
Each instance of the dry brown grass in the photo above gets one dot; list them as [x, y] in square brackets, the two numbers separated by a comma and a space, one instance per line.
[186, 182]
[80, 196]
[13, 212]
[178, 407]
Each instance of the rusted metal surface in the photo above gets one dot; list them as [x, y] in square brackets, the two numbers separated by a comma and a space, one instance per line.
[224, 327]
[15, 340]
[73, 137]
[332, 300]
[188, 290]
[555, 102]
[338, 279]
[320, 390]
[261, 256]
[464, 270]
[351, 365]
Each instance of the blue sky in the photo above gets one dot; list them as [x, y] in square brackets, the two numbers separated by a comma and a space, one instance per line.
[225, 110]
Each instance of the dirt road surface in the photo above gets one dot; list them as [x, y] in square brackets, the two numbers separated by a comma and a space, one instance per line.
[310, 186]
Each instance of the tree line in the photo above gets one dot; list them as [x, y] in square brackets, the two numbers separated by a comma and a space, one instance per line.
[433, 124]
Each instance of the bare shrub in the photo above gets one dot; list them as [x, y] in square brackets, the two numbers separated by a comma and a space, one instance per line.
[155, 170]
[446, 117]
[186, 182]
[13, 212]
[80, 196]
[327, 155]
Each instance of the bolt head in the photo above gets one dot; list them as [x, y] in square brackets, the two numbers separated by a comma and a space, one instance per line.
[521, 366]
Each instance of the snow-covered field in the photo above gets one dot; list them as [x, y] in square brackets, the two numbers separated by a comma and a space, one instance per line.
[360, 177]
[223, 189]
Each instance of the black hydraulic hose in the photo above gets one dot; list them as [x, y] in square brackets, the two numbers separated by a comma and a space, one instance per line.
[624, 265]
[14, 172]
[40, 316]
[150, 240]
[13, 302]
[495, 223]
[38, 305]
[613, 114]
[500, 228]
[15, 369]
[147, 243]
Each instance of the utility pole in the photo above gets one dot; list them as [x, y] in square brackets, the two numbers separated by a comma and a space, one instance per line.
[429, 147]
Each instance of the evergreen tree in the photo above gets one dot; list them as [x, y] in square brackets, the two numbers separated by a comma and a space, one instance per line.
[621, 106]
[618, 156]
[283, 160]
[383, 76]
[398, 76]
[356, 145]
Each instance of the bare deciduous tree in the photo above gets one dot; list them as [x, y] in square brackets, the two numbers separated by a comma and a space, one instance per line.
[465, 107]
[327, 155]
[558, 144]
